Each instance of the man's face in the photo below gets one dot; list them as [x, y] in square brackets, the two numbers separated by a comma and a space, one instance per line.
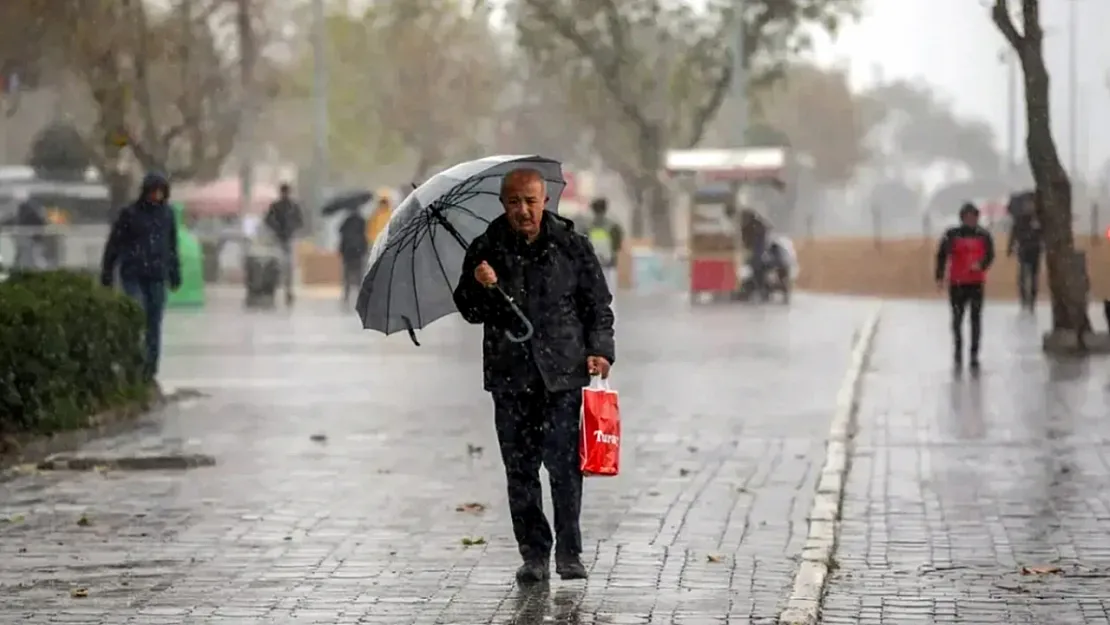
[970, 219]
[157, 195]
[523, 199]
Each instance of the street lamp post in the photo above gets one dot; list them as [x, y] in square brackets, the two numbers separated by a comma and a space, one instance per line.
[739, 126]
[319, 103]
[1073, 87]
[1008, 57]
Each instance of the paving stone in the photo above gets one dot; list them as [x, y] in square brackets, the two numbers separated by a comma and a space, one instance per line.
[725, 414]
[957, 482]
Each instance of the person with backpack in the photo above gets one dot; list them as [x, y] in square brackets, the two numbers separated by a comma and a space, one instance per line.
[353, 247]
[964, 255]
[607, 239]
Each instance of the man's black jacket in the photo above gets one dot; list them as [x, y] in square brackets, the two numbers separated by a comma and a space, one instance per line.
[284, 219]
[143, 240]
[557, 281]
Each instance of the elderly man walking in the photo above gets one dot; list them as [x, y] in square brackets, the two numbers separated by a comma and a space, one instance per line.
[538, 259]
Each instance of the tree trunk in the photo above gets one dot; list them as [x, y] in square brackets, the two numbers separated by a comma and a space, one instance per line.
[637, 224]
[1053, 189]
[657, 199]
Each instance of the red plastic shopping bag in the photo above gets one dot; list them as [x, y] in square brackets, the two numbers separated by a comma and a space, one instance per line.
[600, 451]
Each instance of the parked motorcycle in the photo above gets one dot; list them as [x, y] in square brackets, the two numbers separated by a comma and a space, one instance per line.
[780, 267]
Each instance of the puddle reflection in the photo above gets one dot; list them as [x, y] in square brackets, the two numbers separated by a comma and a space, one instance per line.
[535, 605]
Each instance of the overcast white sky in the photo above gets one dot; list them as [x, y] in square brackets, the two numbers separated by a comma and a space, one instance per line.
[953, 45]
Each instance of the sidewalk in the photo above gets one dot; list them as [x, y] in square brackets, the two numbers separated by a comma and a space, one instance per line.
[725, 409]
[975, 501]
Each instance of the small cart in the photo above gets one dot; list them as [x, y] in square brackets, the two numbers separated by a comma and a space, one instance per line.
[711, 185]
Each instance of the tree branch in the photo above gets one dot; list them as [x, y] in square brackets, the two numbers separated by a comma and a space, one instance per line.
[1000, 13]
[608, 69]
[142, 90]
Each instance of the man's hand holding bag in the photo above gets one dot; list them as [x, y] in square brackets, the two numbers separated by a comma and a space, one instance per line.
[600, 450]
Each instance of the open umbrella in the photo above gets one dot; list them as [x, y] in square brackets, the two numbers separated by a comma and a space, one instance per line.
[417, 259]
[348, 200]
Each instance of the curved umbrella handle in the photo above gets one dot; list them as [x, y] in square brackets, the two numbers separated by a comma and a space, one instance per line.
[528, 329]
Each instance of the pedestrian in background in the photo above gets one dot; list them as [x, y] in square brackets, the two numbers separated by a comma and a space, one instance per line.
[1027, 240]
[142, 246]
[284, 219]
[353, 247]
[965, 255]
[539, 260]
[29, 223]
[607, 238]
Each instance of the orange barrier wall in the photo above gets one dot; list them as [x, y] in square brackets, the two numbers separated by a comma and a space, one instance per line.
[904, 268]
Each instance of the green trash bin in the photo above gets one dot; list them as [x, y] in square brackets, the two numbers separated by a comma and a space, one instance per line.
[191, 293]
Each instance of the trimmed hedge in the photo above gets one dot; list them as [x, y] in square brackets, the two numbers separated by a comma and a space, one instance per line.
[69, 348]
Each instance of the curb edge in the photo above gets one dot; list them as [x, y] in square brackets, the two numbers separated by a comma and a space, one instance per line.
[803, 607]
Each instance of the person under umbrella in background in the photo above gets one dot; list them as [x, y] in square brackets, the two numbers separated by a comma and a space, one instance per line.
[142, 245]
[607, 239]
[353, 247]
[284, 219]
[1027, 239]
[965, 254]
[537, 258]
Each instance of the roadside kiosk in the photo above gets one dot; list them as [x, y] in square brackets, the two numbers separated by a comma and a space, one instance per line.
[710, 187]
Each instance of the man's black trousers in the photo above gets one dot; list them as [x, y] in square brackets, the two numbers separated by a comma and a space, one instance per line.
[963, 297]
[534, 427]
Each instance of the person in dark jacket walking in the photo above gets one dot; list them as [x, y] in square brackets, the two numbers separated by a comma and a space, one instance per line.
[1027, 239]
[965, 253]
[538, 259]
[143, 247]
[284, 220]
[353, 248]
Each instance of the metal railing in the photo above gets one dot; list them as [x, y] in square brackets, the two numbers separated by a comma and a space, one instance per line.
[52, 247]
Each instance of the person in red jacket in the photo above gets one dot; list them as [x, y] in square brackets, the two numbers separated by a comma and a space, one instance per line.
[965, 253]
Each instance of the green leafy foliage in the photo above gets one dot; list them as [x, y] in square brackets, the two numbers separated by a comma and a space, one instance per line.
[69, 348]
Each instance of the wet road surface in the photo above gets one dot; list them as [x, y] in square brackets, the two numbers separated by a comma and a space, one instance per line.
[725, 414]
[959, 484]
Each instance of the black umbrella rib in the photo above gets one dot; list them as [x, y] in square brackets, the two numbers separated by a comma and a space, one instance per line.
[430, 233]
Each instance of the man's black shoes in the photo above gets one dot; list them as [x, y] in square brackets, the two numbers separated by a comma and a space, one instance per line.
[533, 572]
[570, 567]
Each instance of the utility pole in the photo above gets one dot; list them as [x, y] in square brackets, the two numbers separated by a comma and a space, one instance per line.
[1009, 58]
[1073, 87]
[738, 129]
[320, 123]
[248, 55]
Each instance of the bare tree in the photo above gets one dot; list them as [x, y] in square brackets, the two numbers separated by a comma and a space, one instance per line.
[412, 83]
[441, 84]
[664, 67]
[160, 79]
[1053, 186]
[820, 116]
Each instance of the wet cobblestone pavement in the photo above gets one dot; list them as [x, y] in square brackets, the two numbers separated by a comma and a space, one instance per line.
[976, 500]
[725, 412]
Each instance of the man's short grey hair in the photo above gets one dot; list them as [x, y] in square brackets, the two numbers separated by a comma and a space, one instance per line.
[523, 173]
